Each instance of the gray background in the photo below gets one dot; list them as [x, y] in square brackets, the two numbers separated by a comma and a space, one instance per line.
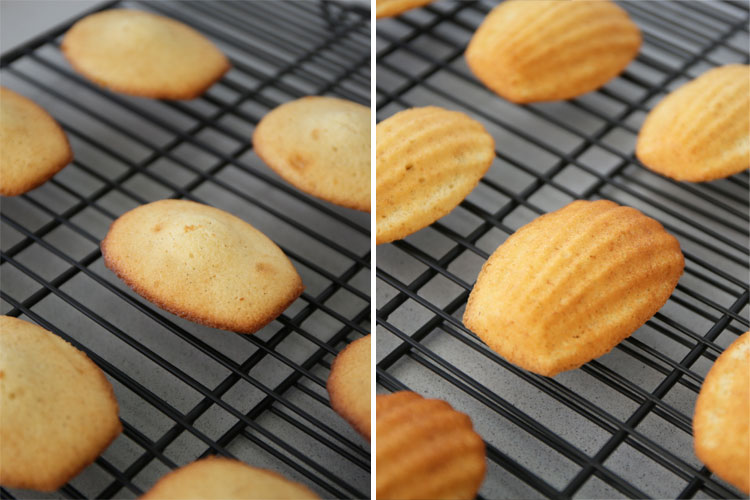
[21, 20]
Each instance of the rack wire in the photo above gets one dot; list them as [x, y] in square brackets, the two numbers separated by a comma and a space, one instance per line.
[620, 426]
[187, 391]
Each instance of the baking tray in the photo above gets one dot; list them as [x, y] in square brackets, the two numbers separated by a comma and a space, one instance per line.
[620, 426]
[186, 391]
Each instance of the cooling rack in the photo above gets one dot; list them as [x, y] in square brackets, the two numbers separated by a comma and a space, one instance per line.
[620, 426]
[186, 391]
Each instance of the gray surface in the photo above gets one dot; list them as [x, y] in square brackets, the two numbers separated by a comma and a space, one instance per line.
[21, 20]
[475, 363]
[80, 236]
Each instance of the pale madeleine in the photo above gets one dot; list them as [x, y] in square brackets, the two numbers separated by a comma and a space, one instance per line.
[349, 384]
[33, 147]
[202, 263]
[320, 145]
[58, 411]
[143, 54]
[219, 478]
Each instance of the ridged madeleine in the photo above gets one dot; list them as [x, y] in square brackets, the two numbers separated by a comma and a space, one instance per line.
[570, 285]
[721, 424]
[546, 50]
[701, 131]
[428, 160]
[425, 449]
[390, 8]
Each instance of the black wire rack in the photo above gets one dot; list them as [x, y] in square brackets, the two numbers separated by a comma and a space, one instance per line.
[620, 426]
[187, 391]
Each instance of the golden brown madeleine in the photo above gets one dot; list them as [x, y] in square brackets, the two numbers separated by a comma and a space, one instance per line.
[143, 54]
[547, 50]
[218, 478]
[349, 385]
[57, 409]
[570, 285]
[390, 8]
[721, 424]
[320, 145]
[202, 263]
[701, 131]
[425, 449]
[33, 147]
[428, 160]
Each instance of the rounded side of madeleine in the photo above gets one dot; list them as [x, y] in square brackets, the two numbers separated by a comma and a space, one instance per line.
[320, 145]
[58, 411]
[33, 147]
[202, 263]
[219, 478]
[572, 284]
[143, 54]
[349, 385]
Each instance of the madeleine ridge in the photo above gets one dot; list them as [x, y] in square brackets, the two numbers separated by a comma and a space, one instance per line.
[547, 50]
[701, 131]
[202, 263]
[427, 161]
[721, 424]
[320, 145]
[572, 284]
[425, 449]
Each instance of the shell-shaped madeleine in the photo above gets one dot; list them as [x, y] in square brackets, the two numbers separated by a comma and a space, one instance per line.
[202, 263]
[425, 449]
[701, 131]
[570, 285]
[721, 424]
[546, 50]
[428, 160]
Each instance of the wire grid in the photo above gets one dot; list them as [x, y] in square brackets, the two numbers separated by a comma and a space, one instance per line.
[187, 391]
[621, 425]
